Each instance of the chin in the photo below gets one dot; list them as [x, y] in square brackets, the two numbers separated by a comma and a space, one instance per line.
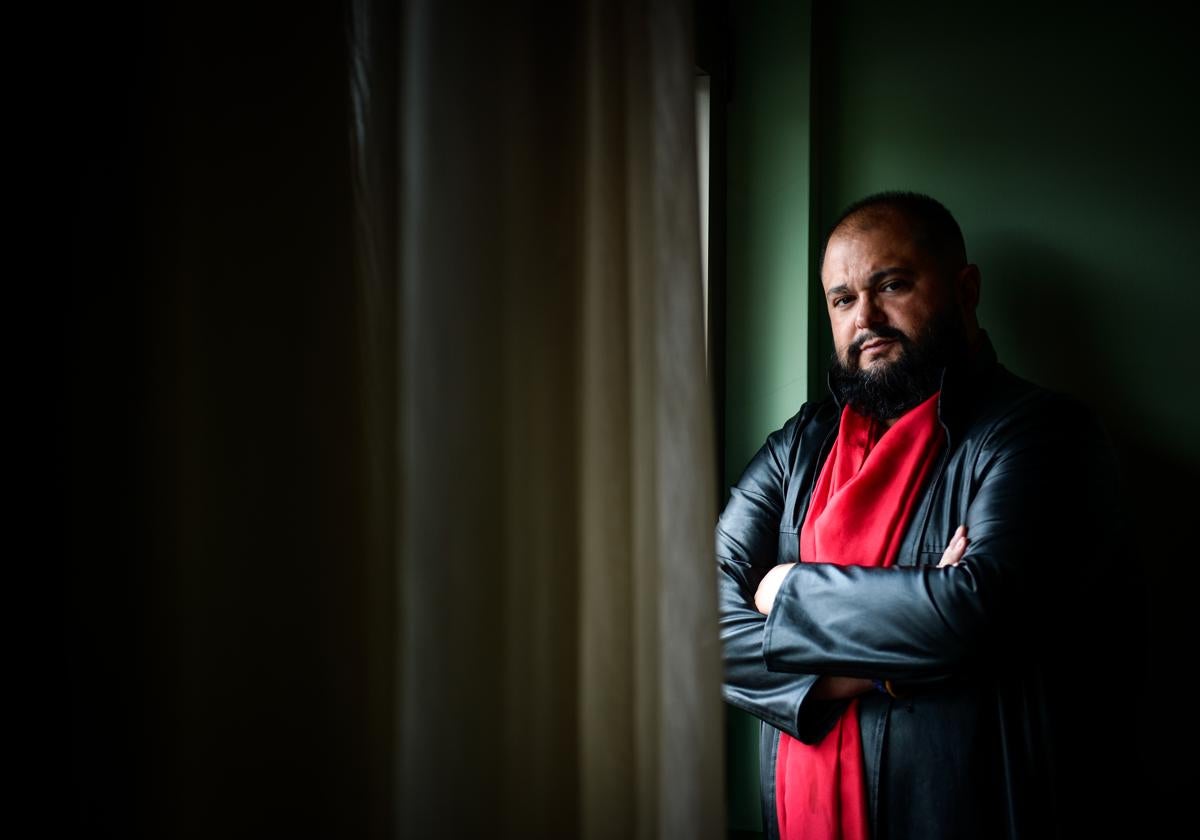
[876, 364]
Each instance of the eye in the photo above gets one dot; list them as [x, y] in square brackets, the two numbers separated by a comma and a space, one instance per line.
[841, 301]
[893, 285]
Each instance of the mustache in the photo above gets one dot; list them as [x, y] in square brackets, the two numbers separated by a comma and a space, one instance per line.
[882, 331]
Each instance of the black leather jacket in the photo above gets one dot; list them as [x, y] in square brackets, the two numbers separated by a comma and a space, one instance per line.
[1004, 661]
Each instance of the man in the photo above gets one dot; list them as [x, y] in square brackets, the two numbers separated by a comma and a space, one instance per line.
[912, 569]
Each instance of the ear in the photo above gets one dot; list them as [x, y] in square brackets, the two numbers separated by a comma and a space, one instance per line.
[966, 288]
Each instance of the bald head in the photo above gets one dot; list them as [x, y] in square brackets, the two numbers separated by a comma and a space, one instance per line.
[927, 222]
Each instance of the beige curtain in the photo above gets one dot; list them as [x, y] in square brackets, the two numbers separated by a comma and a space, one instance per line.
[526, 193]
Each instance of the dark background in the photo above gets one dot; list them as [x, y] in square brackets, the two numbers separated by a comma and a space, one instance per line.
[219, 603]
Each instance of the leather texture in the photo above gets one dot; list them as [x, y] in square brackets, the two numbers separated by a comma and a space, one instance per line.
[997, 733]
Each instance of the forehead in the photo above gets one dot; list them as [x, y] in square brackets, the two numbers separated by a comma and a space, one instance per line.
[857, 252]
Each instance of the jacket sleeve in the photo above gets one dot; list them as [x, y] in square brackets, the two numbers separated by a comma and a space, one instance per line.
[747, 545]
[1040, 515]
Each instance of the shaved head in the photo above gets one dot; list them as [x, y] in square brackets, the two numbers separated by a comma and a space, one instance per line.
[929, 224]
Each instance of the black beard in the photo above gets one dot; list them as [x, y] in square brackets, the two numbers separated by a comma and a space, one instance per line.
[889, 390]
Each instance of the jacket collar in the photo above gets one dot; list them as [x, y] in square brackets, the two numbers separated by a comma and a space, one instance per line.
[961, 381]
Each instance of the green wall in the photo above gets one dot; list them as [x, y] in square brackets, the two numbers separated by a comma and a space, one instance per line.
[769, 201]
[768, 225]
[1064, 143]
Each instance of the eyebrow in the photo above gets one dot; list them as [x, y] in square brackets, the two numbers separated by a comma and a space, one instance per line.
[872, 280]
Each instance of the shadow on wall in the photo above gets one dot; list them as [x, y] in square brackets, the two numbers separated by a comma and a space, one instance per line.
[1051, 325]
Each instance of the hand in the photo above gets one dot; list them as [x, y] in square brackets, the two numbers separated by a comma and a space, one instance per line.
[956, 549]
[840, 688]
[764, 598]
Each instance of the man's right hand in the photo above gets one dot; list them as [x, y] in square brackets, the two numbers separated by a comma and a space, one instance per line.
[956, 549]
[839, 688]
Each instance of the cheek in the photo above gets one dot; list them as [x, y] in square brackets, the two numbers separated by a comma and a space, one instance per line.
[910, 323]
[841, 345]
[842, 339]
[914, 320]
[842, 327]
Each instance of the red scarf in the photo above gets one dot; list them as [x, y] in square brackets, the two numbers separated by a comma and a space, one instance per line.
[863, 499]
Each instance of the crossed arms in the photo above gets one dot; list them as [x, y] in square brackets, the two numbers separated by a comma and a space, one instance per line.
[1034, 481]
[829, 687]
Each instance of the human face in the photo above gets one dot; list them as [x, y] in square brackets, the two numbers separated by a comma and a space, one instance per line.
[879, 283]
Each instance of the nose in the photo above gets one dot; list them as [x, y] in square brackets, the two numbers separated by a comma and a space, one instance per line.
[868, 312]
